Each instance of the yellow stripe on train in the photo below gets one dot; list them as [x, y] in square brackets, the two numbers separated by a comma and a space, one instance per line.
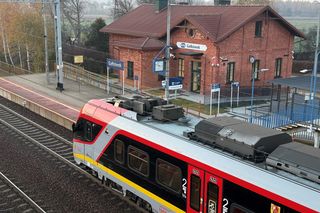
[130, 183]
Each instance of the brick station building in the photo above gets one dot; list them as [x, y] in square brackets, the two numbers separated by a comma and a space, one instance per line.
[210, 44]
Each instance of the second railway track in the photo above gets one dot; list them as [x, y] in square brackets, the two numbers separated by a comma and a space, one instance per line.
[59, 150]
[13, 199]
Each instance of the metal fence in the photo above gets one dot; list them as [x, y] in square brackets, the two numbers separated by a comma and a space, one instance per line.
[11, 69]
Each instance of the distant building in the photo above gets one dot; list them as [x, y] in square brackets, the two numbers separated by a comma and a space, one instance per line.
[211, 44]
[222, 2]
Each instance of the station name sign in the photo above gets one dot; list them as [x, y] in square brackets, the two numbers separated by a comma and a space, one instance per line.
[115, 64]
[191, 46]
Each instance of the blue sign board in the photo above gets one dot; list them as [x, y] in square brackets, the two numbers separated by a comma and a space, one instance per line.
[159, 66]
[215, 87]
[174, 83]
[235, 84]
[115, 64]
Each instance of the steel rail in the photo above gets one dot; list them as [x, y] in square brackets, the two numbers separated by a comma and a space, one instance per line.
[25, 196]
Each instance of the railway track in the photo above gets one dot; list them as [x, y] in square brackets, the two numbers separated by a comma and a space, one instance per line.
[36, 133]
[13, 199]
[60, 150]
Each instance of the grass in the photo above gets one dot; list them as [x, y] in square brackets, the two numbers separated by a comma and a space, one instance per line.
[205, 109]
[198, 107]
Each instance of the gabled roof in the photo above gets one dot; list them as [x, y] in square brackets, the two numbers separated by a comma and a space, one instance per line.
[141, 43]
[217, 22]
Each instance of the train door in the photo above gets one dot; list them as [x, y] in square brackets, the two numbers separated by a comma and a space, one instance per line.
[204, 191]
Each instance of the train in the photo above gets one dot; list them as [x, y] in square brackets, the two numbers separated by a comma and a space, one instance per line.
[166, 160]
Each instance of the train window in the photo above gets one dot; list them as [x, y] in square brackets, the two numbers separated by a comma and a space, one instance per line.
[168, 175]
[88, 131]
[195, 192]
[79, 129]
[212, 198]
[138, 161]
[236, 208]
[119, 151]
[95, 130]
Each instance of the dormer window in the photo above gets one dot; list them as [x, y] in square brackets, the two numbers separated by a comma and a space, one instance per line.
[258, 31]
[191, 33]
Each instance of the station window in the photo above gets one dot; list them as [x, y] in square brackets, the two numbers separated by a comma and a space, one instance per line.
[130, 70]
[181, 67]
[168, 175]
[258, 30]
[86, 130]
[230, 72]
[278, 68]
[138, 161]
[195, 192]
[161, 78]
[255, 69]
[212, 197]
[119, 151]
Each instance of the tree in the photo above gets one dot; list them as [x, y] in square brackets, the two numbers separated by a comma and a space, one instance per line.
[73, 11]
[309, 45]
[97, 39]
[22, 35]
[139, 2]
[122, 7]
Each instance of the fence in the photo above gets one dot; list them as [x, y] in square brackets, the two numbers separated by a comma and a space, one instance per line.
[13, 69]
[79, 74]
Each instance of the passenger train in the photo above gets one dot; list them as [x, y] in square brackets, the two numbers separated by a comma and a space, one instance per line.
[168, 161]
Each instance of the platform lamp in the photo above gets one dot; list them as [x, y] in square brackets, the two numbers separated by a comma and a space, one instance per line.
[252, 88]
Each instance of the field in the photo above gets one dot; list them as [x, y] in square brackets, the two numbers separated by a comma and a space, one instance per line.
[304, 23]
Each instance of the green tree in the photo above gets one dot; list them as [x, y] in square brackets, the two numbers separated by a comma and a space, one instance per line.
[311, 39]
[96, 38]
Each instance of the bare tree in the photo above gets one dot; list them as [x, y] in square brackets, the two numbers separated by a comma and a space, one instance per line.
[73, 11]
[139, 2]
[122, 7]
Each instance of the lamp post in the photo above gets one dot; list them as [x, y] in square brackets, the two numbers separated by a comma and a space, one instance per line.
[252, 89]
[313, 85]
[168, 52]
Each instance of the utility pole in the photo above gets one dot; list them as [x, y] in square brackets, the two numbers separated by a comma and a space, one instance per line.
[313, 84]
[45, 41]
[57, 18]
[168, 52]
[313, 89]
[57, 30]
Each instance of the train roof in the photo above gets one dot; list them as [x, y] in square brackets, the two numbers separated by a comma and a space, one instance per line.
[170, 136]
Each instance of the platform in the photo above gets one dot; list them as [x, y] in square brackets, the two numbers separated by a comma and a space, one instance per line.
[34, 93]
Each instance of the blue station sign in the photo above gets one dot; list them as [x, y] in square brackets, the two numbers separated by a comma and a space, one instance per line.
[235, 84]
[115, 64]
[215, 87]
[175, 83]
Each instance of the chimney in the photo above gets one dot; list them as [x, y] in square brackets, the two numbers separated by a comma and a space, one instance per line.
[161, 4]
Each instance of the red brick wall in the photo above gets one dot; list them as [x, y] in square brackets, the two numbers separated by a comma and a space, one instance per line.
[275, 42]
[114, 51]
[207, 59]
